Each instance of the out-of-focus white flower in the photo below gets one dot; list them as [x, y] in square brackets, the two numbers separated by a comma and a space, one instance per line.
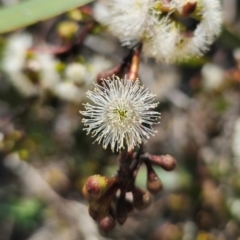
[49, 76]
[76, 72]
[68, 91]
[23, 84]
[163, 36]
[96, 65]
[121, 115]
[172, 44]
[213, 76]
[126, 19]
[13, 62]
[15, 52]
[101, 11]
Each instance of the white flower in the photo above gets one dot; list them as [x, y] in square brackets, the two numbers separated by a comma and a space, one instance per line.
[121, 114]
[170, 43]
[14, 55]
[76, 72]
[96, 65]
[48, 73]
[68, 91]
[126, 19]
[213, 76]
[154, 23]
[15, 61]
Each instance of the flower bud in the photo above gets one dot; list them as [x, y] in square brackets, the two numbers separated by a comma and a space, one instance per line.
[95, 186]
[141, 199]
[154, 184]
[107, 223]
[167, 162]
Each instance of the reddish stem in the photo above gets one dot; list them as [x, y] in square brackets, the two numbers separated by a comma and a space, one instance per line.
[135, 62]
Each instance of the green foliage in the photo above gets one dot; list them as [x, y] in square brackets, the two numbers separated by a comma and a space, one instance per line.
[30, 12]
[25, 212]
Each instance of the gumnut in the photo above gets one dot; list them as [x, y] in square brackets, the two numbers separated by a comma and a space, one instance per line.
[95, 187]
[167, 162]
[107, 223]
[154, 184]
[141, 198]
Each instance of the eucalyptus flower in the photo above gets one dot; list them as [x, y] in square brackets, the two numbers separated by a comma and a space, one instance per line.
[121, 114]
[161, 25]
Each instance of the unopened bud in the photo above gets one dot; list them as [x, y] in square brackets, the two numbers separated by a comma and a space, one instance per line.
[107, 223]
[167, 162]
[141, 199]
[154, 184]
[95, 186]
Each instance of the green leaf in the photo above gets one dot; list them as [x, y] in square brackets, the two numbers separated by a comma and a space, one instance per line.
[32, 11]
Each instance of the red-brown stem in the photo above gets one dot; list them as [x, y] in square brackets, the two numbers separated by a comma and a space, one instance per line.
[134, 66]
[108, 73]
[118, 70]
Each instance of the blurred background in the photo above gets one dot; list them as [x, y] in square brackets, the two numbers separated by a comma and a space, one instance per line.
[46, 157]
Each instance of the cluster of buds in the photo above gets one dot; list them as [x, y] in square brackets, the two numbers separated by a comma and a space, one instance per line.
[106, 206]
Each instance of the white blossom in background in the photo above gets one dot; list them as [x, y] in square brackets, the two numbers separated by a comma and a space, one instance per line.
[126, 19]
[49, 77]
[213, 76]
[101, 11]
[163, 37]
[171, 44]
[14, 55]
[68, 91]
[121, 114]
[96, 65]
[70, 85]
[76, 72]
[13, 62]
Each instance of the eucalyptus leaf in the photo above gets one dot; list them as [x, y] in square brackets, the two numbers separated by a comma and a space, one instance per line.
[32, 11]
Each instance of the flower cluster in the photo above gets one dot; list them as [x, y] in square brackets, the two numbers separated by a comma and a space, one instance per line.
[161, 25]
[121, 114]
[34, 73]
